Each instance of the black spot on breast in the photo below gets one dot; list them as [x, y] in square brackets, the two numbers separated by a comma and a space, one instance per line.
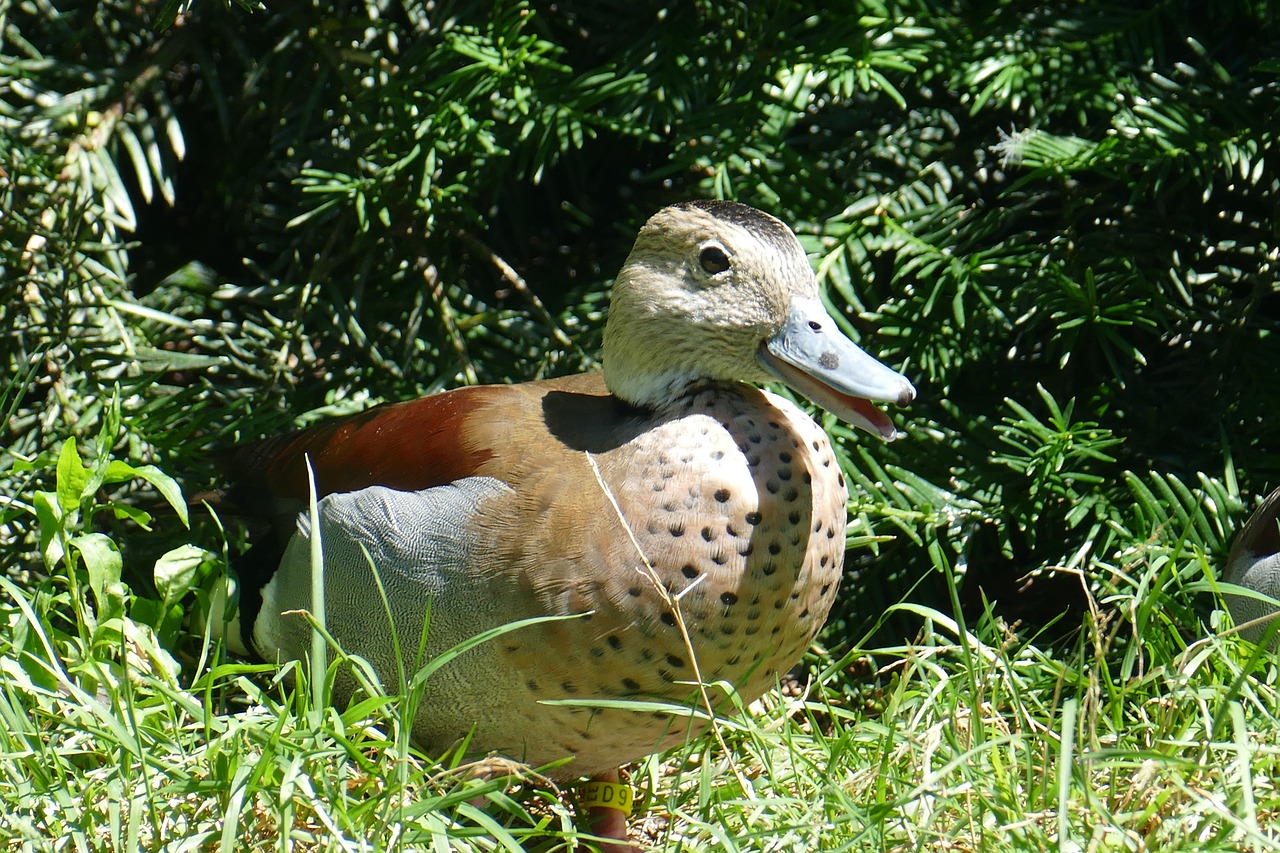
[689, 572]
[745, 550]
[831, 533]
[719, 558]
[668, 619]
[676, 530]
[773, 486]
[826, 588]
[614, 642]
[722, 495]
[816, 445]
[675, 661]
[785, 457]
[597, 652]
[634, 591]
[784, 474]
[804, 614]
[728, 599]
[568, 687]
[665, 675]
[823, 561]
[793, 517]
[532, 684]
[808, 478]
[707, 535]
[791, 494]
[768, 568]
[841, 480]
[753, 518]
[733, 661]
[775, 548]
[717, 455]
[630, 684]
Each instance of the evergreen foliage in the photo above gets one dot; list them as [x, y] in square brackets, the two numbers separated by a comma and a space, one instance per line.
[1059, 219]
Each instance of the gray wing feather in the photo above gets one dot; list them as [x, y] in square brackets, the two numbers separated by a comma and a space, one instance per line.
[431, 566]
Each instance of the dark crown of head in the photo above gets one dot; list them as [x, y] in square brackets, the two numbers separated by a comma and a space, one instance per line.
[761, 224]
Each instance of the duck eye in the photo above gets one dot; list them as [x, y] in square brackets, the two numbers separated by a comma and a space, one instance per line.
[713, 259]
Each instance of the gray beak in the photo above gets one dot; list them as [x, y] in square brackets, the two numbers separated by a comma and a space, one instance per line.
[813, 358]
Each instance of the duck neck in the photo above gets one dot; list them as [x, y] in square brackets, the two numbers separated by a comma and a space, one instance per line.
[645, 383]
[647, 362]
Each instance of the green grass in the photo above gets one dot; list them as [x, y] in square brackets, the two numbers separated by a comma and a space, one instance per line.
[1137, 734]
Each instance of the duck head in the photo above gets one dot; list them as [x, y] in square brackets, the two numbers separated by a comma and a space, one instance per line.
[719, 291]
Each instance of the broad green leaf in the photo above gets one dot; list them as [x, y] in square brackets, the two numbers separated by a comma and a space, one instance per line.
[50, 515]
[136, 514]
[177, 571]
[72, 477]
[103, 563]
[118, 471]
[168, 488]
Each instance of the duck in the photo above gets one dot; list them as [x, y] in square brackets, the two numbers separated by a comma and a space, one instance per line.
[1254, 563]
[658, 526]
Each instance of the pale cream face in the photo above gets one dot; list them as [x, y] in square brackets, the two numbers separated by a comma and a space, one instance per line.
[697, 297]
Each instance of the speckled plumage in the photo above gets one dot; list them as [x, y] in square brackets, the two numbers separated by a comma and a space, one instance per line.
[736, 502]
[495, 504]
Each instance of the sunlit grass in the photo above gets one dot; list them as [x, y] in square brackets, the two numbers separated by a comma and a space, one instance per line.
[968, 738]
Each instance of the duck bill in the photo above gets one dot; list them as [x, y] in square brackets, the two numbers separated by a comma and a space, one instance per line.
[813, 358]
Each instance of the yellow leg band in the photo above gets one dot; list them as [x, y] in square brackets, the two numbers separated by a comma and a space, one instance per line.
[606, 795]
